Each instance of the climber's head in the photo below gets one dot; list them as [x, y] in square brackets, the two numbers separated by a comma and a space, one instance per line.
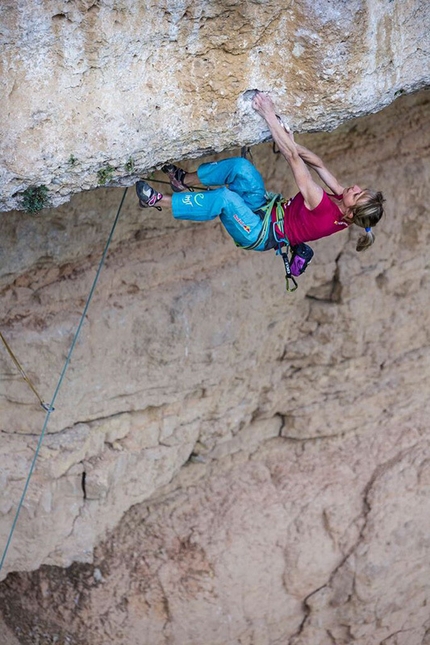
[363, 208]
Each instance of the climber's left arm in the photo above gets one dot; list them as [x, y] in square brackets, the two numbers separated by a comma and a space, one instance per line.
[317, 164]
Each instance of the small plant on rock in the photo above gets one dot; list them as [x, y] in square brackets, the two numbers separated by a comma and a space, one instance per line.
[35, 198]
[129, 166]
[105, 174]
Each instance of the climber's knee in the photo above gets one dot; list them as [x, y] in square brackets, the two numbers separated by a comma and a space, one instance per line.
[243, 167]
[225, 196]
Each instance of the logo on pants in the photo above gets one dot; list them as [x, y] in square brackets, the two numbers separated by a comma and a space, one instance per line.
[197, 199]
[242, 224]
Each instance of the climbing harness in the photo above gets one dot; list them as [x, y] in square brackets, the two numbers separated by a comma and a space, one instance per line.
[50, 408]
[26, 378]
[265, 214]
[272, 214]
[301, 254]
[276, 213]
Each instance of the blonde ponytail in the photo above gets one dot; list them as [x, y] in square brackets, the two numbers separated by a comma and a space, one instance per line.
[366, 240]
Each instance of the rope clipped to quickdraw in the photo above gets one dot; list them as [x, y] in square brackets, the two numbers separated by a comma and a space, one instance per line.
[60, 381]
[167, 183]
[26, 378]
[286, 128]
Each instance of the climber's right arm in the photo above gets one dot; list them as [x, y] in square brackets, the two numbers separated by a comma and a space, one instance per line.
[310, 190]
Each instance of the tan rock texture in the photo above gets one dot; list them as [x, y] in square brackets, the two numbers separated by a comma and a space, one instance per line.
[308, 520]
[96, 91]
[300, 542]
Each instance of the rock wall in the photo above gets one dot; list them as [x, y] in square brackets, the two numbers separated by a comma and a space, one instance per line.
[272, 449]
[96, 91]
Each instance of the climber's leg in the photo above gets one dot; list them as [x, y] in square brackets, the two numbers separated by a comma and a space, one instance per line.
[179, 178]
[240, 175]
[239, 220]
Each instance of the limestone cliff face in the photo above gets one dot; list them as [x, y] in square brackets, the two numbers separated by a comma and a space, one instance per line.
[96, 91]
[304, 518]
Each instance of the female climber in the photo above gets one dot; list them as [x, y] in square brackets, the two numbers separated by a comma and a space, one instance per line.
[244, 206]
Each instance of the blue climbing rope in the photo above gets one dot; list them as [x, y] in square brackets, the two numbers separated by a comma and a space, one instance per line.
[50, 407]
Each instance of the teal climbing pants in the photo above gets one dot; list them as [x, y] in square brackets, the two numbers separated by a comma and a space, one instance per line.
[242, 194]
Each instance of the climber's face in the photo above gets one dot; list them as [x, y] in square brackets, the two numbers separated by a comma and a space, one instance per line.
[352, 195]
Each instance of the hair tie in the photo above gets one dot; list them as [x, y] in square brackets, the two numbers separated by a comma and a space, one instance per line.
[368, 229]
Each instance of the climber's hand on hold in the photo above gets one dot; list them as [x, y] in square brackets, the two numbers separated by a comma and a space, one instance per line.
[263, 104]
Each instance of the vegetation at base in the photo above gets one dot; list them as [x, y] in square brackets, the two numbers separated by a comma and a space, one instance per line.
[105, 174]
[35, 198]
[72, 160]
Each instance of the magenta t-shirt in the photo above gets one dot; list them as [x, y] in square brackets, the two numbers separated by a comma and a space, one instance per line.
[304, 225]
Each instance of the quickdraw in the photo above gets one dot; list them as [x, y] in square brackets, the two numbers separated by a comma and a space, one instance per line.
[273, 212]
[277, 218]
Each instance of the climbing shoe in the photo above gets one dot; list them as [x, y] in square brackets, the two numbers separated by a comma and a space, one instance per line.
[147, 195]
[176, 177]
